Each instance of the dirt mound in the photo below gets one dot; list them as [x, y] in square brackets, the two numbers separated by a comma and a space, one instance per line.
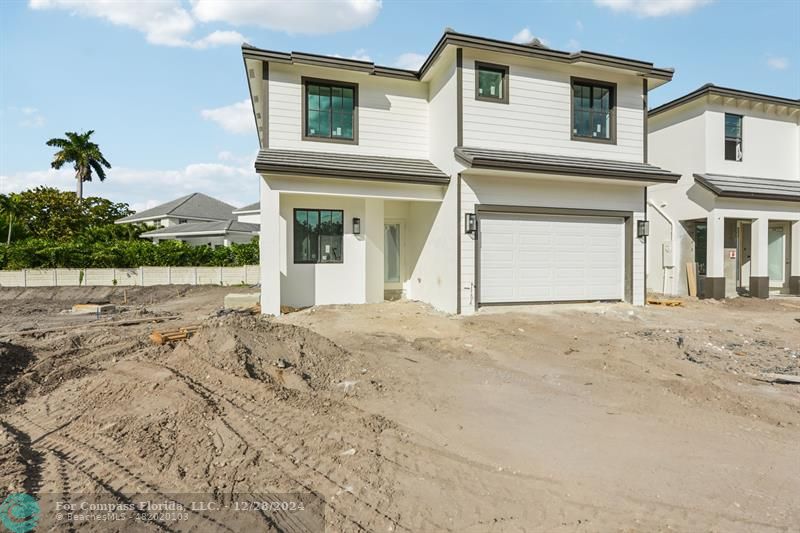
[14, 360]
[291, 356]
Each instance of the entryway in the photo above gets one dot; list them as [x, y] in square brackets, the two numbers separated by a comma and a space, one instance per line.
[393, 264]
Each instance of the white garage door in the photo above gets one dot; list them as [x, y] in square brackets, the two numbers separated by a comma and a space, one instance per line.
[550, 258]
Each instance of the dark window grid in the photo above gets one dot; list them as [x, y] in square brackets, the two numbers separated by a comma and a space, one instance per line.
[593, 104]
[733, 137]
[313, 230]
[331, 111]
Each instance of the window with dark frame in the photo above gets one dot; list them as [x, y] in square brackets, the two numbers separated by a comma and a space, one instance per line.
[593, 112]
[329, 110]
[733, 137]
[491, 82]
[318, 235]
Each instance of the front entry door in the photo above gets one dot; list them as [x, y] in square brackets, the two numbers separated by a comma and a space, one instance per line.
[744, 253]
[777, 254]
[392, 256]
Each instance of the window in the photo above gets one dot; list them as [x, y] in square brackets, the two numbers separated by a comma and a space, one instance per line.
[491, 82]
[182, 221]
[733, 137]
[330, 111]
[593, 111]
[700, 250]
[318, 235]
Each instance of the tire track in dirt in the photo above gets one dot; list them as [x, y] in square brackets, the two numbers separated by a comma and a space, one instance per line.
[288, 455]
[98, 466]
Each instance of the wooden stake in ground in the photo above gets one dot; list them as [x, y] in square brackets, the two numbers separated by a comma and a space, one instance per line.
[691, 278]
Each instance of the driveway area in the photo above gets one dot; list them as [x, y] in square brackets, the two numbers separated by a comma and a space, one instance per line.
[399, 418]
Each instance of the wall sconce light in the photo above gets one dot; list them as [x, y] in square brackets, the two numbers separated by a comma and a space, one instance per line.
[356, 226]
[642, 228]
[470, 223]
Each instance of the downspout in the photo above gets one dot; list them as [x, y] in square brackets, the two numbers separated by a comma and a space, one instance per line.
[671, 223]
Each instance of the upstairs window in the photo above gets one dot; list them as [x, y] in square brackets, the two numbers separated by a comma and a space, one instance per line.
[330, 111]
[318, 235]
[733, 137]
[491, 82]
[593, 111]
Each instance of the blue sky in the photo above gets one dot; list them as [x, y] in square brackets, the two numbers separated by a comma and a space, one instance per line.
[163, 85]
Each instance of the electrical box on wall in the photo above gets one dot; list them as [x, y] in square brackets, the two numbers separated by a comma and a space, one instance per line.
[666, 254]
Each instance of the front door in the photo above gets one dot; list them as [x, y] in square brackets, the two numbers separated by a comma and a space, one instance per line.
[777, 254]
[392, 256]
[744, 254]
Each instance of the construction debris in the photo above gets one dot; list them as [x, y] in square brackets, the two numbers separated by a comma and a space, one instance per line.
[173, 335]
[666, 302]
[241, 302]
[783, 379]
[92, 309]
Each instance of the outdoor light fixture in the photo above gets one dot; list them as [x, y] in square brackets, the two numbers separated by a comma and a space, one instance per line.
[470, 223]
[642, 228]
[356, 226]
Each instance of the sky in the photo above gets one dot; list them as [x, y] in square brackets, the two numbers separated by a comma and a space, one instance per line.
[163, 85]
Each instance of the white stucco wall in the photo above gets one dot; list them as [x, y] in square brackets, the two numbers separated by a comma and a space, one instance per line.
[690, 140]
[538, 118]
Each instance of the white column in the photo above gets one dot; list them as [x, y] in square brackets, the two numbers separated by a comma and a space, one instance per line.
[269, 251]
[715, 249]
[759, 254]
[794, 281]
[372, 228]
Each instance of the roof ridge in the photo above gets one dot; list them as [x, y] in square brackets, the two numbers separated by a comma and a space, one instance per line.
[180, 204]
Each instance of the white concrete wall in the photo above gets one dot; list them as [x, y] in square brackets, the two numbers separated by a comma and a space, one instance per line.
[538, 118]
[392, 113]
[304, 285]
[770, 143]
[542, 192]
[128, 277]
[690, 140]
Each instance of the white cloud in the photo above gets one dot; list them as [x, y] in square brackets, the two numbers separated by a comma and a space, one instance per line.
[359, 55]
[652, 8]
[778, 63]
[235, 118]
[524, 36]
[29, 117]
[233, 183]
[573, 45]
[410, 61]
[163, 22]
[308, 17]
[579, 25]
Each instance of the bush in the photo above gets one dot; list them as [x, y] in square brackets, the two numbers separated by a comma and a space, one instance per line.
[80, 253]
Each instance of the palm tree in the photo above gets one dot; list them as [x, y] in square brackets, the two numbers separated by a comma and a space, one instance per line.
[11, 207]
[83, 154]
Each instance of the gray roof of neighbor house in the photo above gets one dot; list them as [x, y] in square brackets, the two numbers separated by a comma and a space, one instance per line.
[332, 165]
[204, 228]
[248, 208]
[558, 164]
[754, 188]
[454, 38]
[196, 205]
[710, 88]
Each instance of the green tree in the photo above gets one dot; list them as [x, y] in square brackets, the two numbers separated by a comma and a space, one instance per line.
[12, 208]
[84, 155]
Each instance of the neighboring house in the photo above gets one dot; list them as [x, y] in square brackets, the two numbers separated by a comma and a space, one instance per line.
[195, 219]
[735, 212]
[249, 213]
[498, 173]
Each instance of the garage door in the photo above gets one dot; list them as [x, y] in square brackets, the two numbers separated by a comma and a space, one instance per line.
[550, 258]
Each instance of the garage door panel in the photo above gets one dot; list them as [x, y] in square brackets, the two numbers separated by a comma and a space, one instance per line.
[528, 258]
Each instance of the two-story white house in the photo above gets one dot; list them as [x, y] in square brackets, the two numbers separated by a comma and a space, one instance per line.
[735, 213]
[497, 173]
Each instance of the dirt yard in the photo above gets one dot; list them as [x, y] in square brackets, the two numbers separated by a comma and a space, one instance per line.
[557, 418]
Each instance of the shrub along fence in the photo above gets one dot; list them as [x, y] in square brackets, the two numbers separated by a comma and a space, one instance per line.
[144, 276]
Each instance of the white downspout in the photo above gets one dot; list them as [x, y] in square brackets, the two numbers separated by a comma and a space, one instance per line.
[672, 241]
